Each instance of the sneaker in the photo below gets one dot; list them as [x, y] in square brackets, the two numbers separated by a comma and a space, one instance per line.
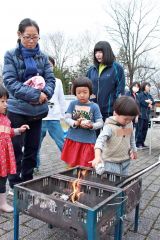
[140, 147]
[145, 146]
[11, 191]
[36, 171]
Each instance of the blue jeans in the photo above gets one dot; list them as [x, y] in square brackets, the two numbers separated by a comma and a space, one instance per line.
[119, 168]
[55, 131]
[25, 159]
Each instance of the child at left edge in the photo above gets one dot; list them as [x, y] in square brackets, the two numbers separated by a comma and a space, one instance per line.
[7, 158]
[83, 118]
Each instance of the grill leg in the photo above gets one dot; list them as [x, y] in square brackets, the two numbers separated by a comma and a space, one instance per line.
[119, 226]
[16, 218]
[118, 232]
[50, 226]
[136, 218]
[91, 225]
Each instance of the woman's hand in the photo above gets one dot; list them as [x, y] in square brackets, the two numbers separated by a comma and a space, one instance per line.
[43, 98]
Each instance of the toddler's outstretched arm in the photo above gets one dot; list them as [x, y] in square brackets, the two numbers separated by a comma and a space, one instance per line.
[23, 128]
[18, 131]
[98, 157]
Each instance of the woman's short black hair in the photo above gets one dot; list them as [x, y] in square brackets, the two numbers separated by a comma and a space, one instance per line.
[126, 106]
[134, 84]
[108, 55]
[3, 92]
[81, 82]
[27, 22]
[144, 84]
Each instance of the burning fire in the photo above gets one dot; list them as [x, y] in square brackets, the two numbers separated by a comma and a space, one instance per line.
[82, 174]
[76, 191]
[75, 195]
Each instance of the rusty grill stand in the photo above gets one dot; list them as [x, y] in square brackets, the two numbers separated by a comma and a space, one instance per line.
[16, 217]
[131, 189]
[94, 216]
[109, 211]
[130, 185]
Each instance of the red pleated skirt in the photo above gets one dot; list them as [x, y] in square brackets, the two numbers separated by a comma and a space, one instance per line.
[77, 153]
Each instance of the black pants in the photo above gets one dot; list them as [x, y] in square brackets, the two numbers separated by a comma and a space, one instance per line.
[141, 131]
[3, 181]
[25, 158]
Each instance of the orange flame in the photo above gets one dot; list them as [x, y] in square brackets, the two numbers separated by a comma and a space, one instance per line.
[76, 186]
[76, 191]
[82, 174]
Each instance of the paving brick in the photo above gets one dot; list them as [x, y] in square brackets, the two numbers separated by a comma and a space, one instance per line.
[144, 203]
[24, 231]
[2, 232]
[34, 224]
[154, 235]
[148, 194]
[157, 225]
[133, 236]
[158, 194]
[3, 219]
[145, 225]
[155, 202]
[7, 225]
[151, 212]
[8, 236]
[24, 218]
[154, 187]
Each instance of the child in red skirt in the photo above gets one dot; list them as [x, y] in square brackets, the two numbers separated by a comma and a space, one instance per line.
[7, 158]
[83, 117]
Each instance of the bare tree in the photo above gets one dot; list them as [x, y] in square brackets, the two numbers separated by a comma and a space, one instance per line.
[146, 70]
[133, 32]
[155, 80]
[85, 44]
[68, 51]
[60, 47]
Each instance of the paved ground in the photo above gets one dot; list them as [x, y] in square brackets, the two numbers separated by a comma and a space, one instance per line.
[149, 221]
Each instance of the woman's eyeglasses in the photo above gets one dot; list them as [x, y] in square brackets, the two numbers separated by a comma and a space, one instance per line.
[28, 38]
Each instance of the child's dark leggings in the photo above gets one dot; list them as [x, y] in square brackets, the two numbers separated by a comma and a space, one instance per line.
[141, 131]
[3, 181]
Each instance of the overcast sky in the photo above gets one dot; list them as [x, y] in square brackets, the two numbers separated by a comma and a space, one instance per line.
[69, 16]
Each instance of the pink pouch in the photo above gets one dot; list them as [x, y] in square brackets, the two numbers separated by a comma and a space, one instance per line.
[36, 82]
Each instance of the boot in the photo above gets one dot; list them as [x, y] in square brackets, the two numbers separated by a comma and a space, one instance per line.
[4, 205]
